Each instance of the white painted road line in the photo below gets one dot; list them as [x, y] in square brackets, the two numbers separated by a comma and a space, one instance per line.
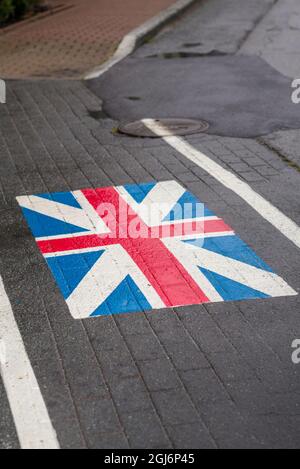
[274, 216]
[33, 425]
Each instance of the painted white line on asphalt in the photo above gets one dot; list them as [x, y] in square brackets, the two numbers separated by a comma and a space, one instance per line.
[274, 216]
[33, 425]
[130, 42]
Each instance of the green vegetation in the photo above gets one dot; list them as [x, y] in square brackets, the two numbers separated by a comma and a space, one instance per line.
[12, 10]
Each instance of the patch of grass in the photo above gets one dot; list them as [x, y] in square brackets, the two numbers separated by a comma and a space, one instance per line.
[13, 10]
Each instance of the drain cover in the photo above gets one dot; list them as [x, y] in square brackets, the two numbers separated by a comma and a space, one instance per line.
[171, 126]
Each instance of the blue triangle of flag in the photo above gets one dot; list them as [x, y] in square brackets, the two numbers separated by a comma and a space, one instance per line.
[139, 191]
[126, 298]
[66, 198]
[43, 225]
[70, 269]
[231, 290]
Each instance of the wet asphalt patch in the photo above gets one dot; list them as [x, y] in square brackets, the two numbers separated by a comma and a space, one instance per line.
[239, 96]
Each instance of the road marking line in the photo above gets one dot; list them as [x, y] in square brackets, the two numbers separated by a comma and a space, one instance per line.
[33, 425]
[272, 214]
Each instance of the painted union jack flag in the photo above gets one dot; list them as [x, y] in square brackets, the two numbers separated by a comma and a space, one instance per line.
[141, 247]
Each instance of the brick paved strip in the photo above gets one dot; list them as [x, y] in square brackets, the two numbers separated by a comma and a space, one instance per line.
[73, 41]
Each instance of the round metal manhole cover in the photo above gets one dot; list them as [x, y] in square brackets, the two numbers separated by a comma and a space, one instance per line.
[165, 127]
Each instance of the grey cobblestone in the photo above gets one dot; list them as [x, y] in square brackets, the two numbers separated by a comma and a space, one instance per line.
[191, 436]
[200, 376]
[174, 407]
[159, 375]
[145, 430]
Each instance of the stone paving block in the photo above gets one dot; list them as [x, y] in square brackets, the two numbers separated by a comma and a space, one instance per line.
[159, 374]
[228, 427]
[130, 395]
[230, 367]
[144, 430]
[252, 160]
[191, 436]
[117, 364]
[251, 176]
[204, 386]
[276, 431]
[265, 402]
[186, 355]
[136, 324]
[239, 167]
[204, 331]
[186, 177]
[145, 347]
[96, 414]
[114, 441]
[105, 336]
[174, 407]
[245, 338]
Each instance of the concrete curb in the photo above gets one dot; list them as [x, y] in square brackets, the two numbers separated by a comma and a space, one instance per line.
[133, 39]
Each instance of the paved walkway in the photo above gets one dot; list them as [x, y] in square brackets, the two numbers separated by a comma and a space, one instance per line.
[77, 37]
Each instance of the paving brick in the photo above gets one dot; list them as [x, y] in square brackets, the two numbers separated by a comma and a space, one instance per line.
[275, 431]
[228, 427]
[251, 176]
[204, 331]
[135, 324]
[204, 386]
[130, 395]
[112, 441]
[116, 364]
[230, 367]
[239, 167]
[145, 347]
[174, 407]
[186, 355]
[159, 374]
[191, 436]
[95, 414]
[144, 430]
[186, 177]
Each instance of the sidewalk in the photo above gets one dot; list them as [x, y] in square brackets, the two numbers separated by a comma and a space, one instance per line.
[77, 37]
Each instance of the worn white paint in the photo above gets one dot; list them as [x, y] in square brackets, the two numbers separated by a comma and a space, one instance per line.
[270, 213]
[2, 92]
[33, 425]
